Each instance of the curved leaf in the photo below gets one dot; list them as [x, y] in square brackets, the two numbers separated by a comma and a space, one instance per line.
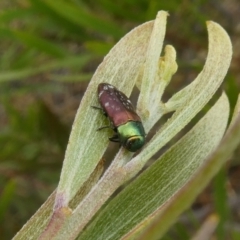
[162, 180]
[86, 145]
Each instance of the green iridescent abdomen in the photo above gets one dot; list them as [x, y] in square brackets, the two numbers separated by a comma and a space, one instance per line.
[131, 135]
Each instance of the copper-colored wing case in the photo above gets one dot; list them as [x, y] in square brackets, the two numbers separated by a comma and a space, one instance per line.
[116, 105]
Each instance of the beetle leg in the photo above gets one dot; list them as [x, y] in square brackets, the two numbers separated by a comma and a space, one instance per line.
[95, 107]
[99, 108]
[104, 127]
[114, 138]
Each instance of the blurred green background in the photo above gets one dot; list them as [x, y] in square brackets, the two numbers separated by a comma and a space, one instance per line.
[49, 51]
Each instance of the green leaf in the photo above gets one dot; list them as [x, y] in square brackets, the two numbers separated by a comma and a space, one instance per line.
[39, 220]
[86, 145]
[162, 180]
[187, 194]
[200, 92]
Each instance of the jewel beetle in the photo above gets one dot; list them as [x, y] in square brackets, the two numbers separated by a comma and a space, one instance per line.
[125, 122]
